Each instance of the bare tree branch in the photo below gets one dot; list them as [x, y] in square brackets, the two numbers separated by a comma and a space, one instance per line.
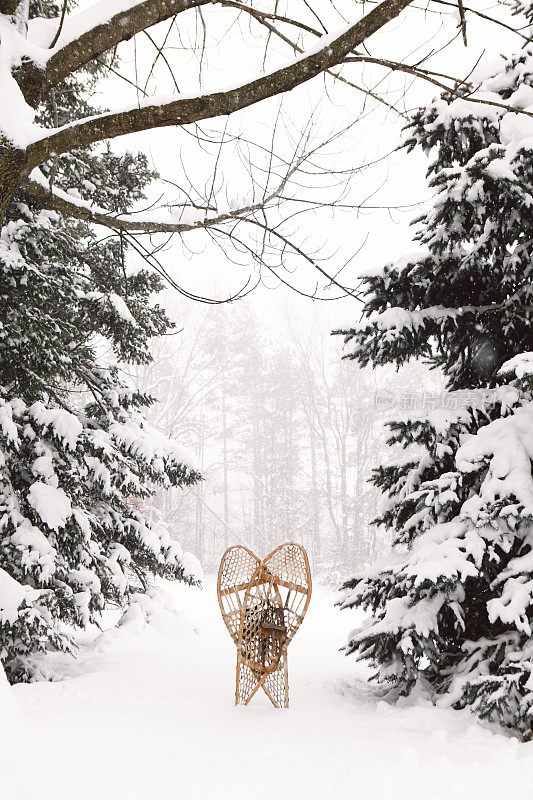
[56, 200]
[184, 111]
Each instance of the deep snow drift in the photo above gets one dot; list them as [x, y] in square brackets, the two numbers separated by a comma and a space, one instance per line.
[146, 713]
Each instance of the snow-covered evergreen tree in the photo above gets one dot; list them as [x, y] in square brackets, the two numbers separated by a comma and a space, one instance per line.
[77, 457]
[454, 603]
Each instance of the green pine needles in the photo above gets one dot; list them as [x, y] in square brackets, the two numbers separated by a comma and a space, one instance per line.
[453, 605]
[77, 458]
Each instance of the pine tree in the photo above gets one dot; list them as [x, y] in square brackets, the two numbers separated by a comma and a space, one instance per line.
[453, 605]
[77, 457]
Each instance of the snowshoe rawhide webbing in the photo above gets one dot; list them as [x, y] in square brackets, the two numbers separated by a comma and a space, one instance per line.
[263, 604]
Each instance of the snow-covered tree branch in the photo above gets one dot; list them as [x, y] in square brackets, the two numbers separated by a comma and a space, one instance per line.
[25, 147]
[85, 35]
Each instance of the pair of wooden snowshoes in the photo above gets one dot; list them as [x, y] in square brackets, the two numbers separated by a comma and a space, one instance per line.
[263, 603]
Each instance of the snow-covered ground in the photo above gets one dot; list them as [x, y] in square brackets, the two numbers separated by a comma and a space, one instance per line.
[146, 713]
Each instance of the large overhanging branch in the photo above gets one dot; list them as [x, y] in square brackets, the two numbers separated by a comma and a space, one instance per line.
[73, 54]
[453, 86]
[75, 49]
[184, 111]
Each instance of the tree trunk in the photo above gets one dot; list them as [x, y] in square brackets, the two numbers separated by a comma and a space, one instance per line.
[225, 462]
[314, 487]
[343, 468]
[258, 516]
[200, 521]
[329, 484]
[12, 163]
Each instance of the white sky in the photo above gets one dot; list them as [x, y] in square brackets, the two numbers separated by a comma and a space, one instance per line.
[232, 55]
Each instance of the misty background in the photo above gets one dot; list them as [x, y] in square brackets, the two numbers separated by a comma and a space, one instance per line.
[286, 432]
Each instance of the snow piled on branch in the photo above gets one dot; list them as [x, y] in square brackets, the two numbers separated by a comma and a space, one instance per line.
[41, 32]
[51, 504]
[505, 446]
[143, 440]
[12, 595]
[16, 116]
[425, 584]
[397, 318]
[515, 128]
[60, 422]
[502, 452]
[181, 215]
[521, 365]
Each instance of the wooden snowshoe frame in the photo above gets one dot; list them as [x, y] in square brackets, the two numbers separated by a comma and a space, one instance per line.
[263, 603]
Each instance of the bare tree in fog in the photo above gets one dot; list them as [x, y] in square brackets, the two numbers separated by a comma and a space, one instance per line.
[287, 436]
